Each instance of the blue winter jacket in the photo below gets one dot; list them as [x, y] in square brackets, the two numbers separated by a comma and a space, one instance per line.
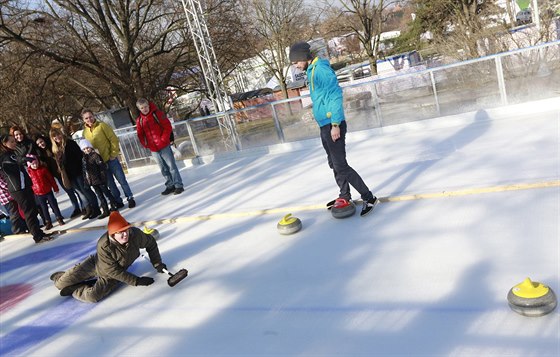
[325, 92]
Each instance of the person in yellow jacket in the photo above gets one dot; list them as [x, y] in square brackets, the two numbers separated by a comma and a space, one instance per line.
[103, 139]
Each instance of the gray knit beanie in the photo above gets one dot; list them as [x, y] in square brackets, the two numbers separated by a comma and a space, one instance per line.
[300, 51]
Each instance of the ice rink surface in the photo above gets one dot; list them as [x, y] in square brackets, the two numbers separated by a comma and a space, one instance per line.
[471, 208]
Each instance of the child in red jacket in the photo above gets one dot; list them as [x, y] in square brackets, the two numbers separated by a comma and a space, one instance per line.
[43, 186]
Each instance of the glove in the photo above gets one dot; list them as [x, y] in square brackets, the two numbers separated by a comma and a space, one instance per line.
[159, 267]
[144, 281]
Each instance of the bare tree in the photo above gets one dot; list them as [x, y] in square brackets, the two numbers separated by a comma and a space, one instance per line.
[273, 26]
[368, 18]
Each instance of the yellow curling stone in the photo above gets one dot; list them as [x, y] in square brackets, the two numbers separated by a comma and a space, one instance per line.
[530, 298]
[151, 231]
[289, 224]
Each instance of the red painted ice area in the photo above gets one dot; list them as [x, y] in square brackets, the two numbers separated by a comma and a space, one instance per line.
[11, 295]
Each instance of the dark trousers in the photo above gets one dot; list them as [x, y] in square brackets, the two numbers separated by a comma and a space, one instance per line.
[85, 193]
[43, 199]
[102, 191]
[344, 175]
[26, 201]
[18, 224]
[84, 271]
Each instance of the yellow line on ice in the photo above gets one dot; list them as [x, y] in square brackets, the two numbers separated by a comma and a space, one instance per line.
[471, 191]
[421, 196]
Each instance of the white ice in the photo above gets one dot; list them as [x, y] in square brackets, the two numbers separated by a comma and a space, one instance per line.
[419, 277]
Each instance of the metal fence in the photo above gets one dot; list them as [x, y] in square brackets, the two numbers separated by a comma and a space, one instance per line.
[508, 78]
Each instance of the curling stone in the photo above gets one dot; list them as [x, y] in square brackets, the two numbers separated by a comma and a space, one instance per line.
[151, 231]
[289, 224]
[343, 208]
[531, 298]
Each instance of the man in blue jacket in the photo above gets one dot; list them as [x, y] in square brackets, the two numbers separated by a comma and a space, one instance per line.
[328, 111]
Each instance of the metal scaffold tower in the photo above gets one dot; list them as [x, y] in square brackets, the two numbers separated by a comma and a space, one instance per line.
[210, 70]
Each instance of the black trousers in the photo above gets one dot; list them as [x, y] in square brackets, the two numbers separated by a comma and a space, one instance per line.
[26, 201]
[103, 191]
[18, 224]
[344, 175]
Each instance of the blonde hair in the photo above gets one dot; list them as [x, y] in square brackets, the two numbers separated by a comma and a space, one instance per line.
[54, 132]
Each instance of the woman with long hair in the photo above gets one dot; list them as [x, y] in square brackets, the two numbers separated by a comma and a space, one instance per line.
[24, 145]
[45, 155]
[68, 155]
[19, 186]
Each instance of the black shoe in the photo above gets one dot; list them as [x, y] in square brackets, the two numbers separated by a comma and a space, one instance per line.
[48, 226]
[69, 290]
[168, 190]
[56, 276]
[60, 221]
[131, 203]
[120, 205]
[178, 191]
[46, 237]
[75, 213]
[104, 214]
[369, 205]
[95, 213]
[86, 213]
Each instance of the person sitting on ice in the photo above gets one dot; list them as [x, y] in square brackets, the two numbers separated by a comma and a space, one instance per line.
[98, 275]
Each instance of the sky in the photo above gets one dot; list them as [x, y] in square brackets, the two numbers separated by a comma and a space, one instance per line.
[470, 207]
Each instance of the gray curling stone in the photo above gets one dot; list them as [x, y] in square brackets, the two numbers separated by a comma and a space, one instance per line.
[289, 225]
[343, 212]
[531, 298]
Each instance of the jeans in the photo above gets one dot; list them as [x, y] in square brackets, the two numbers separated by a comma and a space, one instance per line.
[84, 191]
[43, 199]
[168, 167]
[115, 170]
[74, 199]
[344, 175]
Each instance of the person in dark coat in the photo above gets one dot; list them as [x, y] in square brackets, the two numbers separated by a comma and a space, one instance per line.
[95, 174]
[98, 275]
[25, 146]
[46, 156]
[13, 170]
[11, 206]
[69, 158]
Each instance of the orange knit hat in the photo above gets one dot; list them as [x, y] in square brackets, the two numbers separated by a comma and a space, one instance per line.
[117, 223]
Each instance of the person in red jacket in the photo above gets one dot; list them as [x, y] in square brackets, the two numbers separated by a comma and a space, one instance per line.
[154, 132]
[43, 186]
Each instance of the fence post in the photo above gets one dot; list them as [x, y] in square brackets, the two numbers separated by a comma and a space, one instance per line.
[193, 142]
[432, 78]
[501, 82]
[279, 131]
[377, 104]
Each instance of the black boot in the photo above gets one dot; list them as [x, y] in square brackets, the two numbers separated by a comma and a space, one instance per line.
[75, 213]
[104, 211]
[87, 213]
[95, 212]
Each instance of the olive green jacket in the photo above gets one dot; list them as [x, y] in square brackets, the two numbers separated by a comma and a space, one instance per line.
[113, 258]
